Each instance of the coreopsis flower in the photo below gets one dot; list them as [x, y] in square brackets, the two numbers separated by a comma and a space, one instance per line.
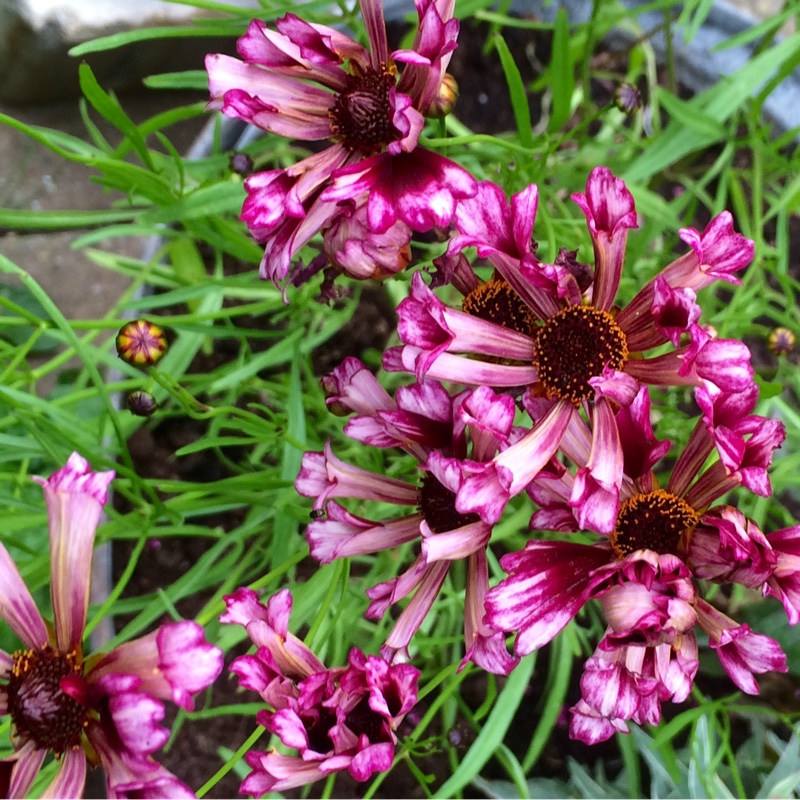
[444, 434]
[644, 571]
[344, 718]
[312, 83]
[104, 708]
[555, 329]
[732, 548]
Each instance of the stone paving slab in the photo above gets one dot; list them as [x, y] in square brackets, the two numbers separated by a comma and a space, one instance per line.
[36, 35]
[34, 178]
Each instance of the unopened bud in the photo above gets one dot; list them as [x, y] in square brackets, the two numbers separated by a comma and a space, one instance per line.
[332, 390]
[627, 98]
[445, 100]
[142, 404]
[781, 341]
[141, 343]
[241, 164]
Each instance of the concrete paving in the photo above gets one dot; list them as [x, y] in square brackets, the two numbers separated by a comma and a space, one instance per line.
[34, 178]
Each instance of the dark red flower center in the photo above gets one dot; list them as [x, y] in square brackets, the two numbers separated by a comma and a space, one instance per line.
[574, 346]
[438, 505]
[655, 521]
[497, 302]
[318, 723]
[40, 711]
[362, 719]
[361, 116]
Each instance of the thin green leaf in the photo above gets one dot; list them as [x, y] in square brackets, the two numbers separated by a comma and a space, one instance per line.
[561, 74]
[492, 732]
[718, 103]
[516, 89]
[206, 201]
[189, 79]
[117, 40]
[690, 117]
[20, 219]
[109, 108]
[188, 265]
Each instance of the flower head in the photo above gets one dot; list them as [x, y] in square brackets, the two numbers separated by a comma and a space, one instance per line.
[141, 403]
[312, 83]
[555, 330]
[105, 708]
[344, 718]
[781, 341]
[643, 571]
[446, 435]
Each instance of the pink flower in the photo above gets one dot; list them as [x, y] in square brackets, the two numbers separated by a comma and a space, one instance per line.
[446, 435]
[630, 682]
[741, 652]
[312, 83]
[643, 571]
[340, 718]
[105, 707]
[555, 329]
[733, 548]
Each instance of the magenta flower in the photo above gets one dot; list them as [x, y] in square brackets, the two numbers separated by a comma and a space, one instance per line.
[734, 549]
[105, 708]
[312, 83]
[648, 654]
[345, 718]
[555, 329]
[447, 435]
[643, 572]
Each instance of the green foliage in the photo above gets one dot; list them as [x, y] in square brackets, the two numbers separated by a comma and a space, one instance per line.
[258, 410]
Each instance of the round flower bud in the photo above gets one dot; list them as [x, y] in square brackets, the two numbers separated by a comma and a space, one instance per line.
[445, 99]
[141, 343]
[142, 404]
[627, 98]
[781, 341]
[241, 164]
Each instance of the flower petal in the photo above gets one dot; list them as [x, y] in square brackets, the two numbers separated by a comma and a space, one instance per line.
[75, 496]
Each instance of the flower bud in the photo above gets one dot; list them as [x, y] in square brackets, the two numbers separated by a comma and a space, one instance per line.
[781, 341]
[627, 98]
[141, 343]
[241, 164]
[445, 99]
[332, 394]
[142, 404]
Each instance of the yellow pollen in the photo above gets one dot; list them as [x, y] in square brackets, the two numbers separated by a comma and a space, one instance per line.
[574, 346]
[497, 302]
[658, 521]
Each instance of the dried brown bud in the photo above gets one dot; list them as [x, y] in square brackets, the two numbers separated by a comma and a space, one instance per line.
[141, 343]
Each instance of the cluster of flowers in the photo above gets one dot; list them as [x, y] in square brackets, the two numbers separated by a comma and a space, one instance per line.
[106, 708]
[103, 708]
[552, 402]
[546, 342]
